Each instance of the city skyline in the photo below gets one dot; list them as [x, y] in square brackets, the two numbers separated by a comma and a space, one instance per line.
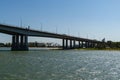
[84, 18]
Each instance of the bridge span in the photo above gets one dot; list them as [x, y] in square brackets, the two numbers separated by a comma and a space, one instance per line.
[20, 38]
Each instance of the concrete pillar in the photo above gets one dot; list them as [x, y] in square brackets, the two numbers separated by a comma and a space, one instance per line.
[19, 43]
[66, 43]
[86, 44]
[13, 39]
[90, 44]
[93, 44]
[26, 42]
[70, 44]
[79, 44]
[13, 42]
[21, 40]
[63, 43]
[74, 44]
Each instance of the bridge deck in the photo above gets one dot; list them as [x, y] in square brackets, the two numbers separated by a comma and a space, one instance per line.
[13, 30]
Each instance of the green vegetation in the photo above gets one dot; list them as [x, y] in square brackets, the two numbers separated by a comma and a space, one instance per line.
[99, 49]
[109, 45]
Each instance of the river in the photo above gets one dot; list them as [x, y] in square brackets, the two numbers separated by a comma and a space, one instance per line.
[59, 65]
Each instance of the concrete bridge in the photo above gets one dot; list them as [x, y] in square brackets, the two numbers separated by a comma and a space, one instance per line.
[20, 38]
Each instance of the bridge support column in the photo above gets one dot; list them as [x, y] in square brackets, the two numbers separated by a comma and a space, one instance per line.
[93, 45]
[19, 43]
[74, 44]
[63, 43]
[26, 43]
[86, 44]
[70, 44]
[79, 44]
[13, 42]
[89, 44]
[66, 43]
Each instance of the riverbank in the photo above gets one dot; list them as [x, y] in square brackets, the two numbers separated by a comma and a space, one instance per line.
[99, 49]
[31, 48]
[56, 48]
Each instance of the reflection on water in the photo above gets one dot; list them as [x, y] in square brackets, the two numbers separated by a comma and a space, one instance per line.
[59, 65]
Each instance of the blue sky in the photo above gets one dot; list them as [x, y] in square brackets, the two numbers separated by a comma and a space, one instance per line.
[95, 19]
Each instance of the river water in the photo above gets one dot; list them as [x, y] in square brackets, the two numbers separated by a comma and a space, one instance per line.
[60, 65]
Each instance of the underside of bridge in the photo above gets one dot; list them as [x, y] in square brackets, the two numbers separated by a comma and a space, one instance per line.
[20, 43]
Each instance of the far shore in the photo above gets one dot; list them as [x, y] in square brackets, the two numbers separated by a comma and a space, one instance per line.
[99, 49]
[59, 48]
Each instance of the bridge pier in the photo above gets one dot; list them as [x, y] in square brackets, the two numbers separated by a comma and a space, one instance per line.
[63, 44]
[86, 44]
[66, 43]
[89, 44]
[81, 44]
[74, 44]
[93, 45]
[19, 43]
[70, 44]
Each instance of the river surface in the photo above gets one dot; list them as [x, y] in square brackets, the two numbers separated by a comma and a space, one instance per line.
[60, 65]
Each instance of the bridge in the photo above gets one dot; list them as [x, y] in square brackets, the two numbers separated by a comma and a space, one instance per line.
[20, 38]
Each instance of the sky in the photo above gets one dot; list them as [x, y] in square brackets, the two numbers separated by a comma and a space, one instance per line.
[93, 19]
